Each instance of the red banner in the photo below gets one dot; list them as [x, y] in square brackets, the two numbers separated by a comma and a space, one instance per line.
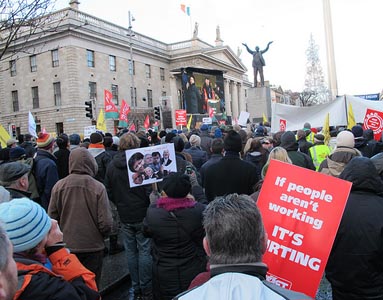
[301, 210]
[147, 122]
[181, 119]
[374, 120]
[124, 111]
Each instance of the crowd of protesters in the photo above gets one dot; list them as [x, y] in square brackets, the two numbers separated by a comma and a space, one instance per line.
[64, 199]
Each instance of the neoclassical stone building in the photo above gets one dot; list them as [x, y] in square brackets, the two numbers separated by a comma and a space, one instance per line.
[85, 55]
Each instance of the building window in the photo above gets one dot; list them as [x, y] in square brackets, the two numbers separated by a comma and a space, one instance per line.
[150, 98]
[55, 58]
[112, 63]
[12, 67]
[92, 90]
[147, 71]
[132, 68]
[35, 97]
[33, 63]
[162, 74]
[115, 94]
[135, 96]
[57, 93]
[15, 100]
[90, 58]
[163, 94]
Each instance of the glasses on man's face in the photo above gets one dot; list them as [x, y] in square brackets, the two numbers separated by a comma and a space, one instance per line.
[266, 143]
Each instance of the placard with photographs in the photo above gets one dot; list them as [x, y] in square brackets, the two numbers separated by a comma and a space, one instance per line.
[150, 164]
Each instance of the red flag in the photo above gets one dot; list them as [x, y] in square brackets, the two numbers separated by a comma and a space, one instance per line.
[147, 122]
[111, 111]
[124, 111]
[132, 127]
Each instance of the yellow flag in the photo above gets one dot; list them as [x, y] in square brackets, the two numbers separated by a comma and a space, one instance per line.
[189, 122]
[264, 118]
[4, 136]
[101, 125]
[350, 117]
[326, 129]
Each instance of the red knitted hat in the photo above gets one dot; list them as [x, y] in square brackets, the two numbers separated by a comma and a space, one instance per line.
[44, 140]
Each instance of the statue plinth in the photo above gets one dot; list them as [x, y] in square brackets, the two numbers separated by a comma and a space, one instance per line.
[258, 102]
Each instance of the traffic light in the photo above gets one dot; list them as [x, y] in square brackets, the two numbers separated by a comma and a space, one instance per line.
[157, 113]
[89, 109]
[13, 128]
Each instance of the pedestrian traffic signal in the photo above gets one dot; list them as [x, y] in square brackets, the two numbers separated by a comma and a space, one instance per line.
[13, 128]
[89, 109]
[157, 113]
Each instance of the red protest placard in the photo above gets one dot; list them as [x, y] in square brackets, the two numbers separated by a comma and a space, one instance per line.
[181, 117]
[374, 120]
[301, 210]
[282, 125]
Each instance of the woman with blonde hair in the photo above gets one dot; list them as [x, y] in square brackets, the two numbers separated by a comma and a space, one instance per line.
[278, 153]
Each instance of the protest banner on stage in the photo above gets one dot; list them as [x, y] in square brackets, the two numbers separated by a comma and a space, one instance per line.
[150, 164]
[181, 117]
[374, 120]
[301, 210]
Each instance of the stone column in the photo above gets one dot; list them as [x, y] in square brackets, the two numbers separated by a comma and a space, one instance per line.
[241, 97]
[234, 99]
[227, 98]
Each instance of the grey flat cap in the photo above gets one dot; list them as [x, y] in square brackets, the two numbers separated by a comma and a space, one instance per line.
[12, 171]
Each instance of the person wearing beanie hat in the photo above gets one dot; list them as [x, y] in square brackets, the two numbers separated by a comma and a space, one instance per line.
[174, 223]
[88, 220]
[199, 156]
[218, 133]
[14, 177]
[36, 237]
[290, 144]
[74, 141]
[230, 174]
[335, 163]
[103, 158]
[45, 168]
[206, 139]
[367, 149]
[17, 153]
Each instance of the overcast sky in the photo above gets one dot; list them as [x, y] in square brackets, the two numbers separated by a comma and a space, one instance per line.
[357, 30]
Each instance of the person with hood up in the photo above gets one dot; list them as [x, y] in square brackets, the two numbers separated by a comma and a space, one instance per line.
[335, 163]
[103, 158]
[80, 205]
[355, 265]
[174, 223]
[289, 142]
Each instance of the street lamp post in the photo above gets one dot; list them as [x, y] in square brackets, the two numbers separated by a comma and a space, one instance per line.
[133, 92]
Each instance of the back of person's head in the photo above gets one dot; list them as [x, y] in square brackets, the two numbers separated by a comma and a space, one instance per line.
[74, 139]
[179, 143]
[288, 139]
[279, 153]
[233, 141]
[195, 140]
[226, 217]
[96, 138]
[176, 185]
[277, 138]
[169, 136]
[301, 134]
[129, 141]
[368, 134]
[8, 269]
[256, 145]
[26, 223]
[17, 153]
[345, 138]
[27, 137]
[62, 141]
[357, 131]
[45, 141]
[217, 146]
[108, 141]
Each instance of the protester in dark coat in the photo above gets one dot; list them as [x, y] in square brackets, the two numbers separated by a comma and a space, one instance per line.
[103, 158]
[131, 204]
[45, 168]
[28, 145]
[230, 174]
[257, 155]
[355, 265]
[62, 155]
[303, 144]
[360, 142]
[216, 150]
[174, 223]
[289, 142]
[199, 156]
